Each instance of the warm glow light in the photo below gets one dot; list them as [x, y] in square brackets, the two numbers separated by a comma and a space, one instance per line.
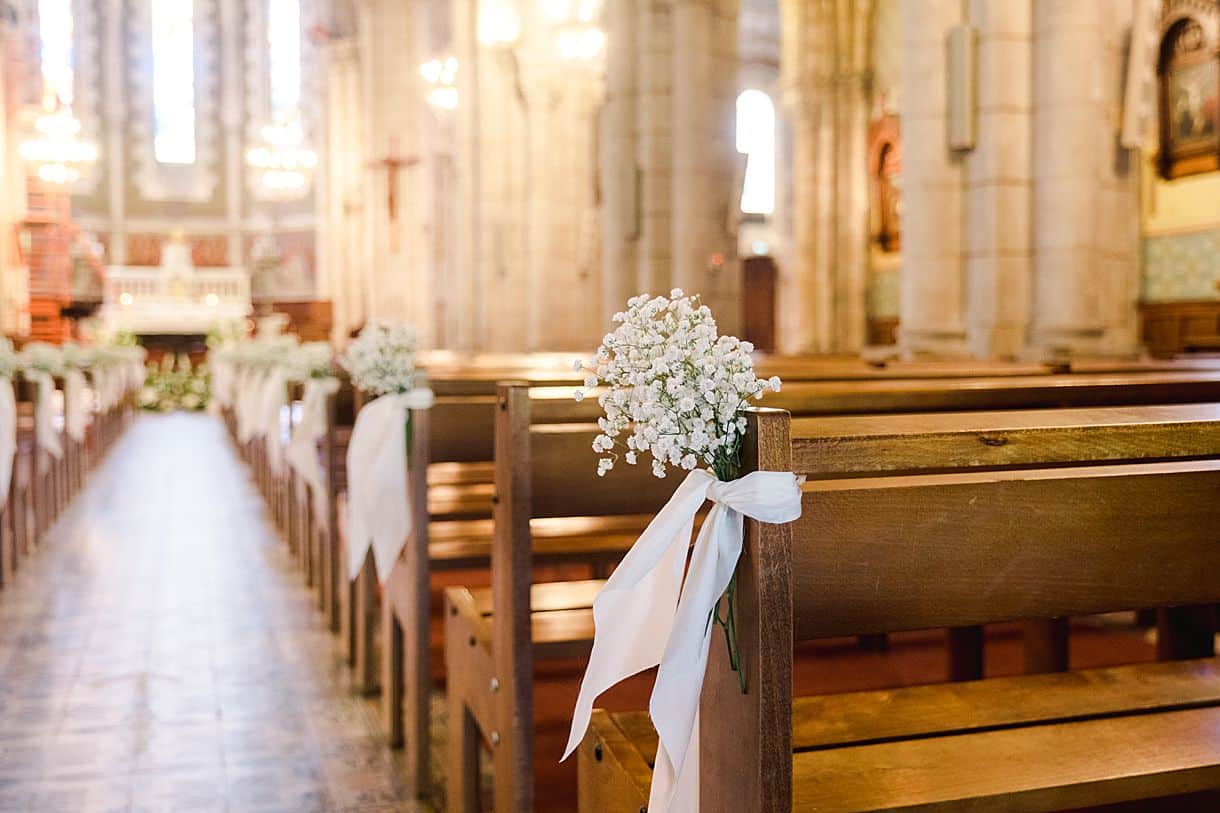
[499, 23]
[580, 42]
[125, 299]
[285, 166]
[56, 153]
[441, 76]
[212, 299]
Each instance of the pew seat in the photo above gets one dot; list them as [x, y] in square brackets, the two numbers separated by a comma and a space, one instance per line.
[1064, 740]
[468, 543]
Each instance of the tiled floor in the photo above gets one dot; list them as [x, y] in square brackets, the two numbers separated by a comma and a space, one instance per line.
[158, 653]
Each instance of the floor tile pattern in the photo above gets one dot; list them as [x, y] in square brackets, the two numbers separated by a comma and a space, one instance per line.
[158, 653]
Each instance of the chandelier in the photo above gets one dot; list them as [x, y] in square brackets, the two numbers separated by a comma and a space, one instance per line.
[56, 150]
[441, 76]
[285, 166]
[578, 37]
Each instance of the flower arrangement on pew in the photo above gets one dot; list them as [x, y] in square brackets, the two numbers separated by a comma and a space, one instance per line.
[675, 390]
[313, 364]
[381, 362]
[9, 365]
[175, 384]
[40, 363]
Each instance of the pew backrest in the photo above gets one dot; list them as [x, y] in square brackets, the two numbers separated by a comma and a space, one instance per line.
[876, 554]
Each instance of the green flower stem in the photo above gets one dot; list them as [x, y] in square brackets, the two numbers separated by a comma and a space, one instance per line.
[727, 467]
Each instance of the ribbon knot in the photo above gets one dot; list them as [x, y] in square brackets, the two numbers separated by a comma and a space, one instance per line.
[654, 611]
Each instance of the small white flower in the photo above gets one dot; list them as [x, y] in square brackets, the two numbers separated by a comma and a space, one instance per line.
[579, 395]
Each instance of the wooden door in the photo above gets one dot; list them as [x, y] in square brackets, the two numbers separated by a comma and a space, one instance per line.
[758, 302]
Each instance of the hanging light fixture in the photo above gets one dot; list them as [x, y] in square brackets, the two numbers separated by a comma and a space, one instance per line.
[55, 150]
[578, 37]
[499, 23]
[441, 76]
[284, 164]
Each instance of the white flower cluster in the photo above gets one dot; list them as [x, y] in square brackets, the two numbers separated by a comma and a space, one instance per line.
[381, 360]
[8, 358]
[43, 357]
[75, 357]
[674, 387]
[309, 360]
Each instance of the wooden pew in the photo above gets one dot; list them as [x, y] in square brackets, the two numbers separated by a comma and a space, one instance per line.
[549, 499]
[910, 550]
[455, 427]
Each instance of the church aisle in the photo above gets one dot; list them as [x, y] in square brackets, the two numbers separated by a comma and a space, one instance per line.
[158, 653]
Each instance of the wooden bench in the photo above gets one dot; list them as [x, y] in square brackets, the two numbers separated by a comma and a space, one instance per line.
[548, 494]
[456, 427]
[879, 554]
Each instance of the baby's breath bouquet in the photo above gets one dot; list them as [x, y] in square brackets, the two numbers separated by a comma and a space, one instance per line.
[674, 387]
[381, 360]
[74, 356]
[8, 358]
[310, 360]
[43, 358]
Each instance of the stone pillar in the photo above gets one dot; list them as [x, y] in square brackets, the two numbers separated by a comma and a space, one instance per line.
[933, 282]
[654, 128]
[1085, 198]
[824, 61]
[999, 238]
[618, 169]
[705, 160]
[341, 233]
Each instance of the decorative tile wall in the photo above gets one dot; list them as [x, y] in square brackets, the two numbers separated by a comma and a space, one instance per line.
[1182, 266]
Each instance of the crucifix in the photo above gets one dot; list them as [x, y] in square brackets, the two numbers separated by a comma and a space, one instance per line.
[392, 163]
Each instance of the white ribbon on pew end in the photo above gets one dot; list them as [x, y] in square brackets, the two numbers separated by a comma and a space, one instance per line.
[8, 436]
[249, 391]
[273, 398]
[76, 405]
[309, 432]
[378, 505]
[646, 615]
[46, 434]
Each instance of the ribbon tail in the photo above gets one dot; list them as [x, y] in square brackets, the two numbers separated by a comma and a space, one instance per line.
[633, 616]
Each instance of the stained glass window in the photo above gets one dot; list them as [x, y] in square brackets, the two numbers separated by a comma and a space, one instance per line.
[173, 47]
[284, 41]
[55, 42]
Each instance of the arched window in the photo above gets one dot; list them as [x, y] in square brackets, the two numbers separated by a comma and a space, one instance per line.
[756, 139]
[284, 44]
[173, 68]
[55, 43]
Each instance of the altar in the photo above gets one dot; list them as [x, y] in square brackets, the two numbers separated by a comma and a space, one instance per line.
[174, 298]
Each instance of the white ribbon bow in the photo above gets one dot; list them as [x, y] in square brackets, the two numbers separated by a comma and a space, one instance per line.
[8, 436]
[646, 615]
[249, 390]
[76, 405]
[309, 431]
[270, 418]
[46, 434]
[378, 506]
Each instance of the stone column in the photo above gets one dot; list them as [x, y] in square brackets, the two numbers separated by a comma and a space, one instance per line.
[1085, 201]
[618, 169]
[341, 233]
[705, 160]
[933, 284]
[999, 239]
[825, 80]
[654, 128]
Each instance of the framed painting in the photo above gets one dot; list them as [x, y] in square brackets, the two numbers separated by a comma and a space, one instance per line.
[1189, 100]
